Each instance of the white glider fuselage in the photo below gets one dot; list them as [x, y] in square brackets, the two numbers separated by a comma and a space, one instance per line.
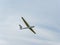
[26, 27]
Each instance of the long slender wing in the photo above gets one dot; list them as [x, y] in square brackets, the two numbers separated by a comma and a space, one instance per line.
[32, 30]
[28, 25]
[25, 22]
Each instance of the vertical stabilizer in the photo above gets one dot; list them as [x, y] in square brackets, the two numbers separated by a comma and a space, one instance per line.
[20, 27]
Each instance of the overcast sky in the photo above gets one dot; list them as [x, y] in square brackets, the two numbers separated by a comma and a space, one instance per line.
[43, 14]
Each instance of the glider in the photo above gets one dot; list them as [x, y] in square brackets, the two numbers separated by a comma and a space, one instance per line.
[28, 26]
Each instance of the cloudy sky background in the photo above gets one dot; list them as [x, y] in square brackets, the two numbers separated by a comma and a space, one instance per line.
[43, 14]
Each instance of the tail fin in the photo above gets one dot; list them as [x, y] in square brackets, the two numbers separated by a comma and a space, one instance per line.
[20, 27]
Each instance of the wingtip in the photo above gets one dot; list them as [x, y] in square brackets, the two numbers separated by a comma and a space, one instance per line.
[35, 33]
[21, 17]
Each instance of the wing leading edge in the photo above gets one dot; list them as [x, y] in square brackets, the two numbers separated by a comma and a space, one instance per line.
[25, 22]
[28, 25]
[32, 30]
